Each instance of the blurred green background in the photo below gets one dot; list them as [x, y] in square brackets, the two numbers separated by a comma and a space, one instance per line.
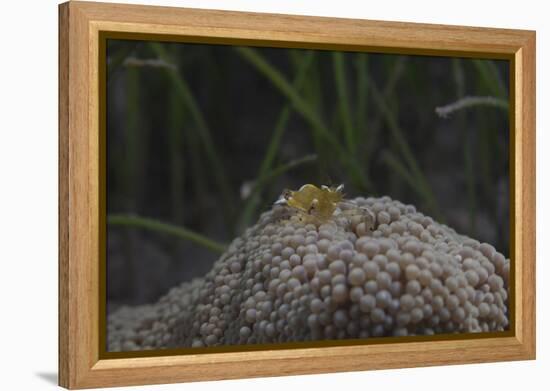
[203, 138]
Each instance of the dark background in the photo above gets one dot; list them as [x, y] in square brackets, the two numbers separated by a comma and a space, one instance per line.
[206, 137]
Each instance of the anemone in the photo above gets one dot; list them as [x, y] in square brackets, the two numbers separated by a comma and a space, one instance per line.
[289, 279]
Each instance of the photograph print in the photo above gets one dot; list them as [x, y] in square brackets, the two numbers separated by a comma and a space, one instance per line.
[260, 196]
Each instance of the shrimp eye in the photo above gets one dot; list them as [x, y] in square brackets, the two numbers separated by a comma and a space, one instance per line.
[286, 194]
[284, 197]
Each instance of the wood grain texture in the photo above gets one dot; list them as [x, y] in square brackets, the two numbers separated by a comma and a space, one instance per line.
[528, 188]
[288, 28]
[64, 354]
[79, 200]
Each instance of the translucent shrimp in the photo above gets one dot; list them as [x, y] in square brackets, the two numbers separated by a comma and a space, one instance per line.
[318, 205]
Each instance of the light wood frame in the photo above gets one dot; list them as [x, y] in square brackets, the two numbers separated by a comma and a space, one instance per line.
[80, 225]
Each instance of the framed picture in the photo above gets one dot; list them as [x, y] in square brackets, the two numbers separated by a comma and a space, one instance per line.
[247, 195]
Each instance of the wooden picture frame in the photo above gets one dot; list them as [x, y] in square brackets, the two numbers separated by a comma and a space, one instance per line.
[81, 162]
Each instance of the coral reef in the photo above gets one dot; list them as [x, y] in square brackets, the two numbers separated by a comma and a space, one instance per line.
[286, 279]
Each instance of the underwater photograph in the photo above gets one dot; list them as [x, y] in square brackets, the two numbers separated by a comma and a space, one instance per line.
[262, 195]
